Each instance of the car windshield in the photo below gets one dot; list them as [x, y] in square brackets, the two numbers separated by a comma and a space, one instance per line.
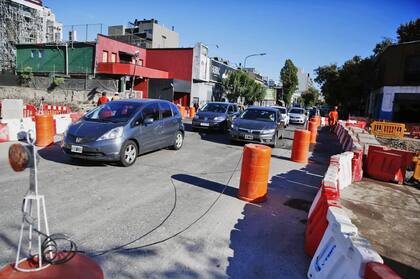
[113, 112]
[259, 114]
[212, 107]
[297, 111]
[281, 110]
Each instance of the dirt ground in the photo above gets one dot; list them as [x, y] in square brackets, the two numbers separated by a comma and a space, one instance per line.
[408, 144]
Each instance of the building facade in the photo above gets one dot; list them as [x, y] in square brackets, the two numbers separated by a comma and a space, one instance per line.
[396, 94]
[182, 75]
[146, 34]
[24, 21]
[304, 83]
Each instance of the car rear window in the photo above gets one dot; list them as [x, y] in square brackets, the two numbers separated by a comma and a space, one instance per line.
[298, 111]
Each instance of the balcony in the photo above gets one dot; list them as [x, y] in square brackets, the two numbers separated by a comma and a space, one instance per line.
[126, 69]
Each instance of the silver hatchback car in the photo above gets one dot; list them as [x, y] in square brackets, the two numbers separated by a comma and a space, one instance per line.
[121, 130]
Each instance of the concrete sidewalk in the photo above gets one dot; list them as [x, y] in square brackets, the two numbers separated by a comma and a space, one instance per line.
[388, 216]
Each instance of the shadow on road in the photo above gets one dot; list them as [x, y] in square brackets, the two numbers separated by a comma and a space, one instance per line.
[207, 184]
[54, 153]
[268, 242]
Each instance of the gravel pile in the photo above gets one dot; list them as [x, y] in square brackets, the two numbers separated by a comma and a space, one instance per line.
[408, 144]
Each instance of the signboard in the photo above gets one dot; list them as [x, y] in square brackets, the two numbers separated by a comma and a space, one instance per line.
[219, 71]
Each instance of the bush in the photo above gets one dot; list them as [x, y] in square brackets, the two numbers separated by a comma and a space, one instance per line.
[26, 76]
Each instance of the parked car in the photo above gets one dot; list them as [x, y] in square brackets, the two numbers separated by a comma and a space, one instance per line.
[258, 124]
[215, 116]
[121, 130]
[284, 115]
[297, 115]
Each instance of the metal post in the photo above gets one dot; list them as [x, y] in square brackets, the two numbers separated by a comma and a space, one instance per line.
[66, 71]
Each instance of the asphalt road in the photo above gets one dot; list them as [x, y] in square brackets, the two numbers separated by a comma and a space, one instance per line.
[169, 206]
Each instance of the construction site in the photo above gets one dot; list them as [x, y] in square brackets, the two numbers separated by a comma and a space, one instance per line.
[21, 22]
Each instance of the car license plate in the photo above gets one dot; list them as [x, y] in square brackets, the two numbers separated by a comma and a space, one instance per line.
[76, 149]
[248, 137]
[204, 124]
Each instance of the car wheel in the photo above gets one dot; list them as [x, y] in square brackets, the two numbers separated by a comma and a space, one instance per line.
[179, 140]
[128, 153]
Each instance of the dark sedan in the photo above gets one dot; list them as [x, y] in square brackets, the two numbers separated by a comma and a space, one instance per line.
[258, 124]
[215, 116]
[121, 130]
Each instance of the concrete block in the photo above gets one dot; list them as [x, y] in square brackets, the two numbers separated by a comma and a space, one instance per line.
[12, 108]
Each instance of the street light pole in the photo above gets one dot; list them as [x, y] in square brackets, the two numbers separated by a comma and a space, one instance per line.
[136, 54]
[255, 54]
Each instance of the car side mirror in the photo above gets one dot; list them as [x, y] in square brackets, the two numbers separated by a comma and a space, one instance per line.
[148, 121]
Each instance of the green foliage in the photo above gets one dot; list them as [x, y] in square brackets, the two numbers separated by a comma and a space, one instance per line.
[381, 46]
[409, 32]
[310, 97]
[240, 84]
[25, 76]
[347, 85]
[288, 75]
[57, 81]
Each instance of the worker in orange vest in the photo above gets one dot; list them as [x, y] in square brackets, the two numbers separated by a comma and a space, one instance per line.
[102, 100]
[333, 118]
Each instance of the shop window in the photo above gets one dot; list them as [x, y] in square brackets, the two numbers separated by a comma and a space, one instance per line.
[105, 56]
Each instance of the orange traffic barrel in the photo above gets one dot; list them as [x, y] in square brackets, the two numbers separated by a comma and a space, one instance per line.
[80, 266]
[192, 112]
[313, 128]
[254, 173]
[300, 149]
[44, 125]
[182, 111]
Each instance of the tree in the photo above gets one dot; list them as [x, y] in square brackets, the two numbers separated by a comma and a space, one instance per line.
[381, 46]
[26, 76]
[288, 75]
[240, 84]
[328, 77]
[310, 97]
[409, 32]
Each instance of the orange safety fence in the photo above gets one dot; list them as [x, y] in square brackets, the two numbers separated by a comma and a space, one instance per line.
[387, 129]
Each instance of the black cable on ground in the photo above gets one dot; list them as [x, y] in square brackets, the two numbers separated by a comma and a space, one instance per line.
[53, 255]
[123, 246]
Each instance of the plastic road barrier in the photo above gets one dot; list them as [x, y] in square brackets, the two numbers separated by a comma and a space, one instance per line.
[4, 133]
[387, 129]
[357, 165]
[254, 173]
[317, 222]
[300, 149]
[313, 128]
[44, 125]
[192, 112]
[375, 270]
[341, 253]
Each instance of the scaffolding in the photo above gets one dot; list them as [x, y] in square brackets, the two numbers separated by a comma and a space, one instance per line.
[19, 24]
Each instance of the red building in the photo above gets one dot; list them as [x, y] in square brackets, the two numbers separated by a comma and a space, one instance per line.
[159, 73]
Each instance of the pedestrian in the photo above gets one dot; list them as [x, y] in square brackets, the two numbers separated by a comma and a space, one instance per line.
[102, 100]
[196, 106]
[333, 118]
[115, 97]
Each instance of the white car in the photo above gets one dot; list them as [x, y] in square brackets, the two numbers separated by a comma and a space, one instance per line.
[284, 115]
[297, 115]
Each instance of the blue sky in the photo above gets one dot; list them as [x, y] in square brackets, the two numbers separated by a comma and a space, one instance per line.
[311, 33]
